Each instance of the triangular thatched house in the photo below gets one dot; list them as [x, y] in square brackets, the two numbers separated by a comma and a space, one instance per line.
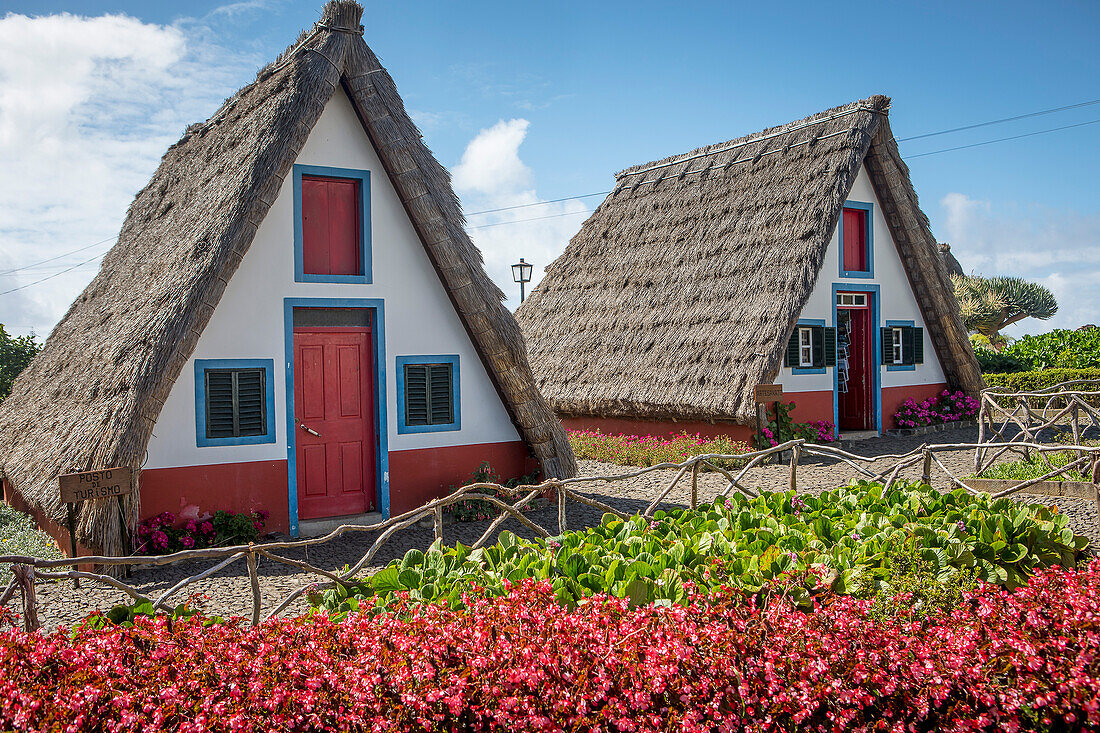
[797, 256]
[293, 319]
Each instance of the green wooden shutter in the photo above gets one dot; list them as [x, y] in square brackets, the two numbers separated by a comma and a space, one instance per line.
[440, 394]
[236, 403]
[416, 394]
[918, 346]
[251, 407]
[817, 339]
[792, 349]
[907, 345]
[830, 346]
[887, 345]
[219, 404]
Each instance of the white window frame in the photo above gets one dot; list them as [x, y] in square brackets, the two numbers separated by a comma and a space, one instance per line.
[852, 299]
[805, 346]
[899, 355]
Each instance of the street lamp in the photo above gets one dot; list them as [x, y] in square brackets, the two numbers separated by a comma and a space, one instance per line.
[521, 273]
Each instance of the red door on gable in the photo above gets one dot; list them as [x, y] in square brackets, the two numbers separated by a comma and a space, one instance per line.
[334, 421]
[856, 398]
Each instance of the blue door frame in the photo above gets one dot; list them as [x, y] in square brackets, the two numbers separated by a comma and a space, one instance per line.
[382, 460]
[876, 351]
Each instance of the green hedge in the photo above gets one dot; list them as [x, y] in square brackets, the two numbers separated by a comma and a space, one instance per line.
[1039, 379]
[1033, 381]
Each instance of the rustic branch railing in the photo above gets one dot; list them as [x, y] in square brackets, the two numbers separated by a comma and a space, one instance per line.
[1030, 414]
[29, 570]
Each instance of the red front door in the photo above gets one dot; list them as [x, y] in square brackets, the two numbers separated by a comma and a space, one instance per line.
[334, 421]
[856, 402]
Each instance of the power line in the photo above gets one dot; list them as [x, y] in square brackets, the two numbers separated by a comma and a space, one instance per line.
[50, 277]
[539, 203]
[1002, 139]
[533, 218]
[1003, 119]
[63, 254]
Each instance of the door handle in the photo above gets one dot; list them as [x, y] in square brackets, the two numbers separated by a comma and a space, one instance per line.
[309, 430]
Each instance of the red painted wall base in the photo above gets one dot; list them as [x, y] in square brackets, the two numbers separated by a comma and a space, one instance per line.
[892, 397]
[418, 476]
[192, 491]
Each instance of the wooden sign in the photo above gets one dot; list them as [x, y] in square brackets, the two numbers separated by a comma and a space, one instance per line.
[766, 393]
[103, 484]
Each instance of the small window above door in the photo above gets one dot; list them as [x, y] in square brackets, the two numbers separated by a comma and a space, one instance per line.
[331, 225]
[856, 245]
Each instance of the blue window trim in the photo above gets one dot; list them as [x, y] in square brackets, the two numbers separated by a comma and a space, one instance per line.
[900, 367]
[363, 176]
[876, 348]
[380, 424]
[201, 365]
[809, 322]
[870, 222]
[451, 359]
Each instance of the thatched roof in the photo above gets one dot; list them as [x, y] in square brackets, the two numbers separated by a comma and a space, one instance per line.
[91, 397]
[679, 293]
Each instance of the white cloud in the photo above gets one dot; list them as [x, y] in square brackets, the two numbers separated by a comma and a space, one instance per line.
[1058, 248]
[87, 107]
[491, 175]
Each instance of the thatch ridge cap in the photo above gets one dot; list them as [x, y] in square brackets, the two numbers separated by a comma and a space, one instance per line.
[876, 104]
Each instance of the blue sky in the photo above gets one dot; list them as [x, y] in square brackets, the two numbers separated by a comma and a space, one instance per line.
[528, 102]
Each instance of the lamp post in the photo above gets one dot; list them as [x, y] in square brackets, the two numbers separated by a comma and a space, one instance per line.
[521, 273]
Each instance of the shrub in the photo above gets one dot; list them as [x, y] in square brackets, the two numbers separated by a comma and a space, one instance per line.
[20, 536]
[749, 543]
[1059, 349]
[1034, 381]
[1034, 466]
[472, 510]
[1027, 660]
[943, 408]
[649, 450]
[783, 428]
[159, 535]
[992, 362]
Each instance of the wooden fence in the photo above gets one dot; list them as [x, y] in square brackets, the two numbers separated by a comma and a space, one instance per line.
[1013, 421]
[27, 571]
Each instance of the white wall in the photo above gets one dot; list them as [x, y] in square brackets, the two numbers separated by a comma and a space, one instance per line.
[897, 302]
[248, 323]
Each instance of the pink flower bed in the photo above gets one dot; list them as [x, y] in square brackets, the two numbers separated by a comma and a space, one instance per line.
[943, 408]
[1004, 661]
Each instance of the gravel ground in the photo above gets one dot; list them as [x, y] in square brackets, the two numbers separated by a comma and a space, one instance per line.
[228, 593]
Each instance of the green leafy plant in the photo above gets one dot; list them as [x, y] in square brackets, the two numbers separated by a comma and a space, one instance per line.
[16, 353]
[124, 614]
[1033, 381]
[472, 510]
[20, 536]
[777, 542]
[917, 588]
[1058, 349]
[992, 362]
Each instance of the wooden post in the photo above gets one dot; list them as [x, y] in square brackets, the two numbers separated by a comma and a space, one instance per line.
[796, 449]
[695, 483]
[71, 511]
[1076, 424]
[979, 454]
[437, 521]
[926, 474]
[24, 575]
[561, 509]
[127, 544]
[254, 577]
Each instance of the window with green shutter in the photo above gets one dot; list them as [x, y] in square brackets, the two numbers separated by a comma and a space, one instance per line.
[234, 402]
[811, 347]
[428, 388]
[902, 345]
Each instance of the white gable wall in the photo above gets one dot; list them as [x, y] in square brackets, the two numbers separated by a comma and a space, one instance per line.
[248, 322]
[897, 302]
